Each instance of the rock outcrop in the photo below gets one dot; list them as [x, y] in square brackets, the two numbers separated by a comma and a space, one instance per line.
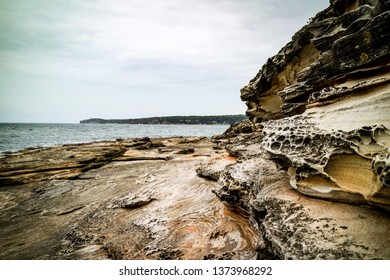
[124, 199]
[313, 173]
[293, 226]
[324, 103]
[307, 177]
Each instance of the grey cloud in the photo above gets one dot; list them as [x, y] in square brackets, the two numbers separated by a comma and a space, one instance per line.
[121, 48]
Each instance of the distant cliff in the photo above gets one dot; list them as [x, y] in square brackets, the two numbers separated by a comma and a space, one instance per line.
[222, 119]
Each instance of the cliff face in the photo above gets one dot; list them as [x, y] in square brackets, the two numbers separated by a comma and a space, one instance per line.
[321, 112]
[324, 102]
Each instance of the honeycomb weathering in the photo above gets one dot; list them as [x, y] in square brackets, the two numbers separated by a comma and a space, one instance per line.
[320, 109]
[381, 166]
[324, 103]
[343, 166]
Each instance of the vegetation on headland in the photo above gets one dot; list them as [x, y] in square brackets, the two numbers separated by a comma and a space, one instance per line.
[221, 119]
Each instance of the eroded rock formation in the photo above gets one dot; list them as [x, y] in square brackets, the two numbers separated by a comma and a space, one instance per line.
[321, 128]
[125, 199]
[324, 103]
[308, 177]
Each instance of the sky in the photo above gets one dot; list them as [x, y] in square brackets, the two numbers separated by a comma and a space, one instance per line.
[68, 60]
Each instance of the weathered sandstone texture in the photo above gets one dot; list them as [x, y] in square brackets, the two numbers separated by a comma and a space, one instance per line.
[307, 177]
[125, 199]
[321, 117]
[324, 104]
[291, 225]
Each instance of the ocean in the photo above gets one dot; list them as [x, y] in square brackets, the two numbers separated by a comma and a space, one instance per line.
[16, 136]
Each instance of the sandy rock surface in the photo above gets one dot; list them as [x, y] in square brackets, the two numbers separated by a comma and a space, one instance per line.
[129, 199]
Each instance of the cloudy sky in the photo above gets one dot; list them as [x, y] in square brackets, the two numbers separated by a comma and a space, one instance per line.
[67, 60]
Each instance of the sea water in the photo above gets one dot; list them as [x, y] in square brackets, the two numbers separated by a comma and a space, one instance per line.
[16, 136]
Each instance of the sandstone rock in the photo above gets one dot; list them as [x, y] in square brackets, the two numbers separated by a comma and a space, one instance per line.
[138, 209]
[186, 151]
[322, 107]
[63, 162]
[334, 48]
[131, 201]
[331, 164]
[245, 126]
[213, 168]
[323, 102]
[292, 226]
[309, 170]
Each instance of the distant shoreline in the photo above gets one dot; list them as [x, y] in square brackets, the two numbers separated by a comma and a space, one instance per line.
[192, 120]
[17, 136]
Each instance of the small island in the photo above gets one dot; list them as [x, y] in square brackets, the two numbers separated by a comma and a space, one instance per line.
[220, 119]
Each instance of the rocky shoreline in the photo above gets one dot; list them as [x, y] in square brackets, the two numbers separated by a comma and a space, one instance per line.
[125, 199]
[173, 198]
[306, 177]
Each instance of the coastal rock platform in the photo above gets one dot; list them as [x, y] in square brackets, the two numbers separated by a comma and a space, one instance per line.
[124, 199]
[147, 199]
[307, 176]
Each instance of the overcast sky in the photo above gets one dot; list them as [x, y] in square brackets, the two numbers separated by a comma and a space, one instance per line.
[67, 60]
